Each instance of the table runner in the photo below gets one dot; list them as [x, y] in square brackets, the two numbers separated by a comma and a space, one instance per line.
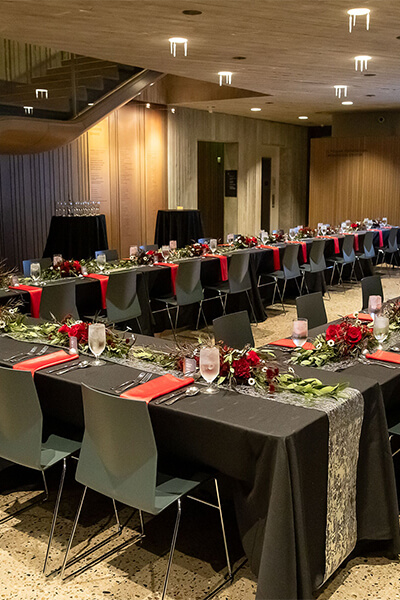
[277, 259]
[174, 272]
[103, 280]
[35, 294]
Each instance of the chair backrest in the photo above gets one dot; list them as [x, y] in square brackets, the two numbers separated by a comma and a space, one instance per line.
[392, 239]
[148, 247]
[238, 272]
[317, 257]
[118, 457]
[121, 299]
[234, 330]
[290, 261]
[21, 418]
[371, 286]
[348, 252]
[110, 254]
[58, 300]
[44, 263]
[188, 283]
[369, 249]
[312, 307]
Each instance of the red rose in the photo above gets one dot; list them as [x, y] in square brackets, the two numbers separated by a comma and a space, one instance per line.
[353, 335]
[77, 265]
[253, 358]
[333, 333]
[241, 368]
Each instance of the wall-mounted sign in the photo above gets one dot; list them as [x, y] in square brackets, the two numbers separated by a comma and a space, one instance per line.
[231, 184]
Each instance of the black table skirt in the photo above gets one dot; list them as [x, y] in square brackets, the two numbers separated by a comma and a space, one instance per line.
[76, 237]
[184, 226]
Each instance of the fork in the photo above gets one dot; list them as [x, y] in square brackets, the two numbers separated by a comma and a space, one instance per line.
[17, 356]
[146, 377]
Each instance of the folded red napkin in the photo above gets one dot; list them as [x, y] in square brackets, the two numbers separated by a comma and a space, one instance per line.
[277, 259]
[48, 360]
[356, 242]
[380, 236]
[157, 387]
[174, 272]
[288, 343]
[362, 317]
[335, 241]
[35, 294]
[103, 279]
[303, 248]
[385, 356]
[223, 263]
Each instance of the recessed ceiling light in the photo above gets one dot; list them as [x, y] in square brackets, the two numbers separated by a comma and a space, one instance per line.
[152, 84]
[347, 103]
[255, 109]
[303, 117]
[227, 75]
[361, 61]
[174, 41]
[148, 105]
[173, 110]
[192, 13]
[42, 93]
[239, 57]
[90, 103]
[340, 89]
[358, 12]
[28, 110]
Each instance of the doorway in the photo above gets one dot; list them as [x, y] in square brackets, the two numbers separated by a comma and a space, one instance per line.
[266, 194]
[210, 187]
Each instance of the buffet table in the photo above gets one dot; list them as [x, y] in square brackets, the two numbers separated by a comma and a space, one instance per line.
[76, 237]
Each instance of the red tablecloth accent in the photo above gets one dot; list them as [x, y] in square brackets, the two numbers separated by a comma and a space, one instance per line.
[277, 259]
[356, 242]
[35, 294]
[223, 263]
[335, 241]
[362, 317]
[380, 237]
[47, 360]
[157, 387]
[174, 272]
[385, 356]
[103, 279]
[288, 343]
[303, 248]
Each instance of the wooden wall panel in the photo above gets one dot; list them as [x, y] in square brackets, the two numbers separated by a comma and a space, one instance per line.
[354, 178]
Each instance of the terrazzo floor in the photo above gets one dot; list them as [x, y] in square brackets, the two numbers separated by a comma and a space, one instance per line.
[136, 573]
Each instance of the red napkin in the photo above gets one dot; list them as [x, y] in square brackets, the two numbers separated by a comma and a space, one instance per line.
[103, 284]
[288, 343]
[356, 242]
[35, 294]
[335, 241]
[157, 387]
[303, 248]
[380, 237]
[41, 362]
[362, 317]
[277, 259]
[223, 263]
[385, 356]
[174, 272]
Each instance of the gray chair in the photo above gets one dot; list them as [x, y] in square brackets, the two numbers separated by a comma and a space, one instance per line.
[189, 290]
[58, 300]
[371, 286]
[391, 249]
[119, 459]
[110, 254]
[290, 271]
[44, 263]
[121, 299]
[21, 424]
[238, 281]
[368, 253]
[234, 330]
[312, 308]
[348, 259]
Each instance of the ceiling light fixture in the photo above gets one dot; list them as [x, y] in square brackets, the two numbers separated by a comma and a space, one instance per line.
[28, 110]
[358, 12]
[227, 75]
[173, 110]
[174, 41]
[361, 60]
[90, 103]
[148, 105]
[347, 103]
[339, 90]
[42, 93]
[303, 118]
[255, 109]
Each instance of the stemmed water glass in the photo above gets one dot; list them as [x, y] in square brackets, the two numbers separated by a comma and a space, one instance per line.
[165, 252]
[374, 305]
[300, 331]
[209, 367]
[381, 329]
[97, 342]
[35, 272]
[101, 262]
[213, 245]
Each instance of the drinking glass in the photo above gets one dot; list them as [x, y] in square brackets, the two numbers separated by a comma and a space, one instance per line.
[57, 260]
[101, 261]
[374, 305]
[133, 250]
[209, 366]
[97, 342]
[300, 331]
[172, 245]
[165, 252]
[35, 272]
[213, 245]
[381, 329]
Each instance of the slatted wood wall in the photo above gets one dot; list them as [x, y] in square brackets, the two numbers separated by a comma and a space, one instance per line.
[354, 178]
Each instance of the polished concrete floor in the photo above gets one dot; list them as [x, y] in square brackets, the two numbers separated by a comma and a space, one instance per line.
[136, 573]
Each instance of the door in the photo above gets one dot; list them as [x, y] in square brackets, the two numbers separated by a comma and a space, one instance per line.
[266, 194]
[210, 187]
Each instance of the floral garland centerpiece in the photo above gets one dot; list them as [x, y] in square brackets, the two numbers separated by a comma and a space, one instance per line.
[343, 341]
[190, 251]
[244, 241]
[305, 233]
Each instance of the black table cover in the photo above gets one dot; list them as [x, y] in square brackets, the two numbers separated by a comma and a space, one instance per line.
[76, 237]
[184, 226]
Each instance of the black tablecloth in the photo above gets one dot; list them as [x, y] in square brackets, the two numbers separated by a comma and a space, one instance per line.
[184, 226]
[276, 455]
[76, 237]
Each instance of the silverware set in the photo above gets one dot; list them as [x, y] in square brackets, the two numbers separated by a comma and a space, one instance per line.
[143, 377]
[26, 355]
[380, 363]
[173, 397]
[63, 369]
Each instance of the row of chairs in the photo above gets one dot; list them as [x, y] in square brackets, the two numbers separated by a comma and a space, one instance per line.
[117, 458]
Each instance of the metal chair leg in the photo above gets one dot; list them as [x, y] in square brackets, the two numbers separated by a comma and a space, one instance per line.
[298, 288]
[171, 552]
[251, 306]
[78, 512]
[228, 562]
[172, 326]
[333, 273]
[55, 513]
[176, 317]
[139, 325]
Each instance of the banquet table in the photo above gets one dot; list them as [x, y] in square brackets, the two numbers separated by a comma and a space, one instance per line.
[275, 454]
[76, 237]
[183, 226]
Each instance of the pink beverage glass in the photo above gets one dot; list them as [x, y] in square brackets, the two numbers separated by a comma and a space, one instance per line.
[209, 366]
[133, 250]
[374, 305]
[57, 260]
[172, 245]
[73, 345]
[300, 331]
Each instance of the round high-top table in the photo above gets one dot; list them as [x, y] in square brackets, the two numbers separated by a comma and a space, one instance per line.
[76, 237]
[184, 226]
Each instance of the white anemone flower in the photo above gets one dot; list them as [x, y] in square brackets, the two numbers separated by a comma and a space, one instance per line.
[331, 343]
[2, 324]
[251, 381]
[318, 346]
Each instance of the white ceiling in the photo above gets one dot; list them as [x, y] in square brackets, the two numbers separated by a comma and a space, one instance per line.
[295, 50]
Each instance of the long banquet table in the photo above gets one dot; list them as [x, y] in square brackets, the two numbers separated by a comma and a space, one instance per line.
[276, 455]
